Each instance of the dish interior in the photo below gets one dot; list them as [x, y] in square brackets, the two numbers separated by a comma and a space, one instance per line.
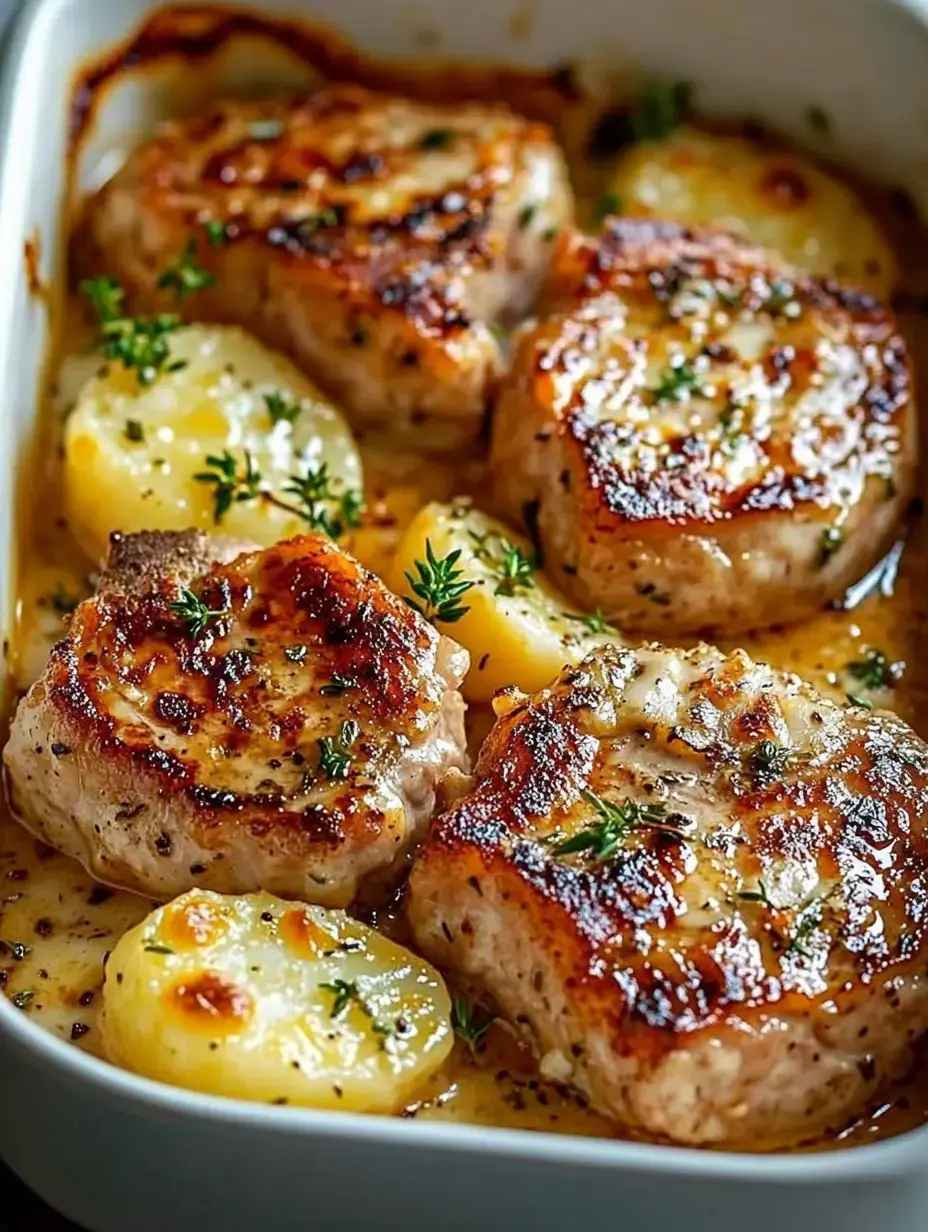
[57, 926]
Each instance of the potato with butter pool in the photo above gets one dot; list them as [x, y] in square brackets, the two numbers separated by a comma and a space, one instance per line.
[776, 199]
[519, 628]
[262, 999]
[133, 452]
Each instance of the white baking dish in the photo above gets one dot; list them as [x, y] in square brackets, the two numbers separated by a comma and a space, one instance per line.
[118, 1153]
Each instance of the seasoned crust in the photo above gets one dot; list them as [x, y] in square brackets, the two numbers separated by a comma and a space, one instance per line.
[164, 758]
[685, 982]
[701, 425]
[374, 238]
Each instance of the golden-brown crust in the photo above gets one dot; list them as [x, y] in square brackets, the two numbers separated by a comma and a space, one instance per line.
[274, 720]
[644, 262]
[235, 688]
[670, 938]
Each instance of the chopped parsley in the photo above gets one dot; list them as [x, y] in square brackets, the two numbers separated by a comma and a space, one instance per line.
[185, 276]
[470, 1022]
[158, 949]
[601, 840]
[439, 586]
[768, 760]
[134, 431]
[22, 999]
[18, 949]
[195, 613]
[857, 700]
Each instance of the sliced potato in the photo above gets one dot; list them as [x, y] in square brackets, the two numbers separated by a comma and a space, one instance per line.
[262, 999]
[778, 200]
[132, 452]
[518, 632]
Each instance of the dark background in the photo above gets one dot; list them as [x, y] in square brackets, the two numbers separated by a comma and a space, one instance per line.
[21, 1211]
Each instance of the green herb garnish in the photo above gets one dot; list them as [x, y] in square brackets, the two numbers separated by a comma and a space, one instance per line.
[265, 130]
[322, 218]
[296, 654]
[22, 999]
[280, 410]
[436, 139]
[345, 992]
[315, 493]
[18, 949]
[216, 233]
[768, 760]
[857, 700]
[439, 586]
[676, 380]
[806, 923]
[608, 203]
[158, 949]
[185, 276]
[336, 686]
[526, 214]
[229, 484]
[760, 895]
[601, 840]
[874, 670]
[470, 1022]
[334, 755]
[595, 621]
[134, 431]
[661, 107]
[196, 614]
[139, 343]
[63, 601]
[831, 540]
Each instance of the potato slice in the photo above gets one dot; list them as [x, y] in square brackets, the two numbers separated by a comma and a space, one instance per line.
[262, 999]
[778, 200]
[131, 452]
[519, 632]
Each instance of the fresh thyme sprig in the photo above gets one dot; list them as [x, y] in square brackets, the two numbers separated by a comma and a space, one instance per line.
[280, 409]
[184, 276]
[511, 567]
[345, 992]
[594, 621]
[230, 485]
[139, 343]
[314, 492]
[601, 839]
[470, 1022]
[195, 612]
[439, 585]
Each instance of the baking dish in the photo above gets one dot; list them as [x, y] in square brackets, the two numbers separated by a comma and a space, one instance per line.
[114, 1151]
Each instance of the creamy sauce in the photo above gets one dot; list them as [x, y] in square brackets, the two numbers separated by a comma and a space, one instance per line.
[57, 925]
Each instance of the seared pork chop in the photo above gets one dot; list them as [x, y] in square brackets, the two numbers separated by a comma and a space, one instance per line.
[276, 721]
[698, 886]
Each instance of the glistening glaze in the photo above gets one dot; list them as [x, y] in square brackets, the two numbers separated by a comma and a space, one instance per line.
[57, 926]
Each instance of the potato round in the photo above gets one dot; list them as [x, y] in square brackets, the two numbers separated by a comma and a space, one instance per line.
[131, 452]
[519, 634]
[261, 999]
[772, 198]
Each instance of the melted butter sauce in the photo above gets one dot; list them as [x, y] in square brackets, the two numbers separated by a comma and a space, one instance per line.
[57, 925]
